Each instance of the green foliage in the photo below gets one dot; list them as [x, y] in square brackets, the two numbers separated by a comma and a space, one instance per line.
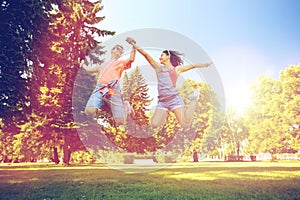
[162, 158]
[47, 40]
[139, 101]
[135, 90]
[290, 79]
[170, 137]
[23, 24]
[31, 144]
[264, 116]
[207, 120]
[273, 117]
[234, 134]
[6, 144]
[73, 35]
[122, 158]
[82, 157]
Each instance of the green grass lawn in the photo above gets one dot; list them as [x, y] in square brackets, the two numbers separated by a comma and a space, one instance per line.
[203, 180]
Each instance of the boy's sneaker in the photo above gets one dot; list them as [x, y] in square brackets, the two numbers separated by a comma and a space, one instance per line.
[195, 95]
[102, 121]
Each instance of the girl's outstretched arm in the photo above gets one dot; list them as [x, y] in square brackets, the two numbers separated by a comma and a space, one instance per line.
[149, 58]
[184, 68]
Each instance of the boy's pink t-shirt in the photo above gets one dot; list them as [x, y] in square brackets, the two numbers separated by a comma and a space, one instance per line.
[112, 71]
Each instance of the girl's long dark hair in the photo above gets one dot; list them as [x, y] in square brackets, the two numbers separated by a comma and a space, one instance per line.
[175, 57]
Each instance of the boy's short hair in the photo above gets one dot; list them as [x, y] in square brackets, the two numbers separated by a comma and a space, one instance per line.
[117, 45]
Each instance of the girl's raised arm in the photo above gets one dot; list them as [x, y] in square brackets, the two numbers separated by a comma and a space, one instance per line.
[149, 58]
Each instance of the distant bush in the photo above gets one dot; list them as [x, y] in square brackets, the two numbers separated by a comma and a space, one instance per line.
[82, 157]
[165, 158]
[121, 158]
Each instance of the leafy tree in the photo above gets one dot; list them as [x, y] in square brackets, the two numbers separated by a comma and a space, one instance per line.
[49, 40]
[28, 144]
[211, 144]
[135, 90]
[6, 144]
[234, 133]
[207, 120]
[170, 137]
[265, 119]
[23, 25]
[126, 87]
[22, 30]
[290, 80]
[73, 36]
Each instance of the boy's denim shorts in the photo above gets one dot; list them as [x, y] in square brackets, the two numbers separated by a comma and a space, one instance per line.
[114, 102]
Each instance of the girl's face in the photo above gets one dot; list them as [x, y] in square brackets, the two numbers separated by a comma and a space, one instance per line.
[164, 58]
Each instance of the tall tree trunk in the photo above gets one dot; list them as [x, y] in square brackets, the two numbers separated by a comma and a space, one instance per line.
[195, 156]
[55, 155]
[238, 149]
[66, 150]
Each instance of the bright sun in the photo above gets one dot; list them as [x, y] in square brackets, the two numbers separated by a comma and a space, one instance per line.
[239, 98]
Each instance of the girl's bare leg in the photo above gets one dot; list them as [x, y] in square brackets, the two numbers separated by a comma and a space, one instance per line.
[189, 112]
[158, 118]
[185, 115]
[179, 113]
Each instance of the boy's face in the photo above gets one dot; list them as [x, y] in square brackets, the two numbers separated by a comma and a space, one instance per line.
[118, 50]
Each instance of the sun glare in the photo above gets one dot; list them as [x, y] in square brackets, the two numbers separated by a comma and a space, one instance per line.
[239, 98]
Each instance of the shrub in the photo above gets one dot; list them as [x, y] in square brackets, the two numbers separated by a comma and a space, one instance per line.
[165, 158]
[121, 158]
[82, 157]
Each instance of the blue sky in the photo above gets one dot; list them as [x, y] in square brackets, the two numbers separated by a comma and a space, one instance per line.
[244, 38]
